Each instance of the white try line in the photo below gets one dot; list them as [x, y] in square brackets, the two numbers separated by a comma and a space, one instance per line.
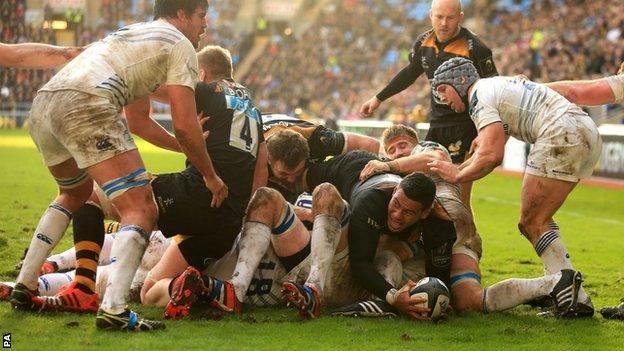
[563, 212]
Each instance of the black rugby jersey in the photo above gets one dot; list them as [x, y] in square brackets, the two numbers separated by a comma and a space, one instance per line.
[435, 235]
[427, 55]
[235, 127]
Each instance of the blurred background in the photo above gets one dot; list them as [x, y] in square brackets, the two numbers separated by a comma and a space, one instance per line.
[322, 59]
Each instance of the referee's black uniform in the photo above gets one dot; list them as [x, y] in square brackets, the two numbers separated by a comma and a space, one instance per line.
[455, 131]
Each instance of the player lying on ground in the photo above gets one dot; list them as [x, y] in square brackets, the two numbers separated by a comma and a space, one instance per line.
[467, 293]
[566, 146]
[58, 272]
[601, 91]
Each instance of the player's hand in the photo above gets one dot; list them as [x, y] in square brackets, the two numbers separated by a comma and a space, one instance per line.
[413, 306]
[370, 106]
[202, 121]
[446, 170]
[218, 189]
[373, 167]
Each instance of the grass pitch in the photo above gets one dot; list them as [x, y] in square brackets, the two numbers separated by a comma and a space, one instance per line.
[592, 223]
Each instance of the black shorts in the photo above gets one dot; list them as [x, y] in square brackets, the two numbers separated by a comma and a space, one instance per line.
[325, 142]
[184, 208]
[456, 139]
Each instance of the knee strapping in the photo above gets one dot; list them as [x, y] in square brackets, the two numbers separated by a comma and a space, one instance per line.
[117, 187]
[462, 277]
[74, 182]
[286, 223]
[135, 228]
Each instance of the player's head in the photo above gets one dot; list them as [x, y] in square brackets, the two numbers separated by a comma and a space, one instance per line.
[399, 140]
[188, 16]
[215, 63]
[411, 201]
[446, 16]
[451, 82]
[288, 152]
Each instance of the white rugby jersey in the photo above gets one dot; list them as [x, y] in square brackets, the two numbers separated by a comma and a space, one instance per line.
[131, 63]
[525, 108]
[617, 85]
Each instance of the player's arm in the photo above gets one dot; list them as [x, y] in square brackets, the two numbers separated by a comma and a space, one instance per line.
[36, 55]
[189, 135]
[586, 92]
[401, 81]
[440, 235]
[489, 149]
[261, 172]
[404, 165]
[356, 141]
[141, 124]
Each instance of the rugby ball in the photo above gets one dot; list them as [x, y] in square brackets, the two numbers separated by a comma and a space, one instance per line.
[436, 293]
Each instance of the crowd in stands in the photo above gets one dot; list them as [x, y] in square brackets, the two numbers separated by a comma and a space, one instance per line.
[354, 48]
[357, 46]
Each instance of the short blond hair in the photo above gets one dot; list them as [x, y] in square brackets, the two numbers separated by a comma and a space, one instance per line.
[397, 130]
[216, 60]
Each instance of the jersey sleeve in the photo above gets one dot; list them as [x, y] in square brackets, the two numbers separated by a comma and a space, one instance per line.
[481, 55]
[364, 232]
[407, 76]
[260, 127]
[325, 142]
[483, 109]
[438, 237]
[182, 65]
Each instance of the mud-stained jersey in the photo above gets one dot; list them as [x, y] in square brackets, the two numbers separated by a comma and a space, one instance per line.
[525, 108]
[131, 63]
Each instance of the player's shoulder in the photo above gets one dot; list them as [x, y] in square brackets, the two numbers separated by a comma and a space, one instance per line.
[477, 44]
[423, 37]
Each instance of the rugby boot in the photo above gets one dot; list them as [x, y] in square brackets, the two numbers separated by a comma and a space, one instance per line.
[584, 309]
[186, 289]
[222, 295]
[304, 297]
[70, 299]
[565, 293]
[543, 302]
[5, 290]
[613, 312]
[370, 308]
[127, 320]
[21, 297]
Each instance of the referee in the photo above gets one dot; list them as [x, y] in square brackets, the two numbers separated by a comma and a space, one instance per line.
[447, 39]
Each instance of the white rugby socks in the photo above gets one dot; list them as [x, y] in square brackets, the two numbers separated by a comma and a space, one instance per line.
[51, 284]
[513, 292]
[49, 232]
[128, 248]
[254, 243]
[389, 265]
[326, 232]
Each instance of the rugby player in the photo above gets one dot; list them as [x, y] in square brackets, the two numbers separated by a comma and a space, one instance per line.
[566, 146]
[445, 40]
[75, 123]
[36, 55]
[238, 152]
[467, 292]
[601, 91]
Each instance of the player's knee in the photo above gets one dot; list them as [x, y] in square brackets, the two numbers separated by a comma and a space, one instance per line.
[262, 198]
[467, 297]
[327, 200]
[264, 206]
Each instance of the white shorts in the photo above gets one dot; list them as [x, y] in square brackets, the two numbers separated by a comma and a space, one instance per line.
[468, 241]
[69, 124]
[567, 150]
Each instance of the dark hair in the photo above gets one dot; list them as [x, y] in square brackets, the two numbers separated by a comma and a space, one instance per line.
[397, 130]
[420, 188]
[288, 147]
[169, 8]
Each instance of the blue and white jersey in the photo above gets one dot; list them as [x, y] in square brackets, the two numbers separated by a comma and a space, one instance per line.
[525, 108]
[131, 63]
